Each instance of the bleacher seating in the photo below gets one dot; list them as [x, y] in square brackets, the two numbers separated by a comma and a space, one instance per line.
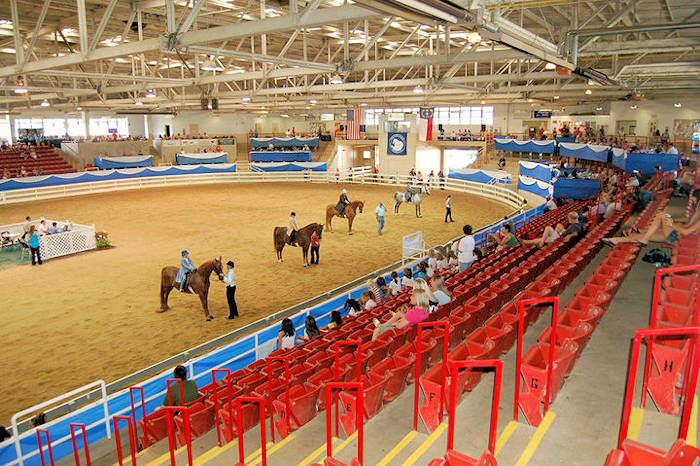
[48, 160]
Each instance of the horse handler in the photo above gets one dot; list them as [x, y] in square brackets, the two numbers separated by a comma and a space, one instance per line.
[230, 280]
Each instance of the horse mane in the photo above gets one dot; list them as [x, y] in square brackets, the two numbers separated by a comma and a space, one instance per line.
[356, 203]
[310, 226]
[206, 264]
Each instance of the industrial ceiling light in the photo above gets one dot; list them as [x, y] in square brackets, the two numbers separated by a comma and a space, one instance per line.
[677, 105]
[284, 115]
[598, 109]
[150, 94]
[336, 79]
[633, 107]
[473, 37]
[550, 66]
[45, 103]
[588, 92]
[529, 101]
[78, 108]
[418, 90]
[556, 97]
[363, 104]
[313, 101]
[483, 102]
[19, 88]
[245, 99]
[210, 65]
[430, 10]
[138, 103]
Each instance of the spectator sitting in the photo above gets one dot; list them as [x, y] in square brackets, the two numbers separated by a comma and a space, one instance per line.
[336, 320]
[394, 284]
[189, 389]
[53, 229]
[407, 280]
[502, 163]
[405, 317]
[287, 337]
[374, 289]
[440, 262]
[4, 434]
[452, 261]
[421, 284]
[549, 235]
[663, 229]
[550, 204]
[506, 238]
[367, 301]
[422, 271]
[42, 229]
[352, 306]
[382, 291]
[311, 328]
[440, 291]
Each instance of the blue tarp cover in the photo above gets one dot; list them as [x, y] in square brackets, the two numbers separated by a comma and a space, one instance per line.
[274, 156]
[646, 163]
[592, 152]
[198, 159]
[134, 161]
[576, 188]
[514, 145]
[284, 142]
[538, 171]
[288, 167]
[480, 176]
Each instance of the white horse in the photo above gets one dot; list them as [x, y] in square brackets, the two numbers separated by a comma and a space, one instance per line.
[416, 199]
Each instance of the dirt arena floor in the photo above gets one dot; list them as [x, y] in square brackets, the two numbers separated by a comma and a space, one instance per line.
[93, 316]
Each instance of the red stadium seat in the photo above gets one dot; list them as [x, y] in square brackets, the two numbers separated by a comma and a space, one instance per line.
[227, 417]
[201, 421]
[374, 385]
[303, 406]
[396, 370]
[635, 453]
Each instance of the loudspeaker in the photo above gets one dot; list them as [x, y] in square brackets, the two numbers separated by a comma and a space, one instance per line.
[440, 127]
[167, 131]
[215, 103]
[483, 128]
[205, 104]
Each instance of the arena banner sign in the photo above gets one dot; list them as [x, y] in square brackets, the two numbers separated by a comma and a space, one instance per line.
[397, 144]
[226, 141]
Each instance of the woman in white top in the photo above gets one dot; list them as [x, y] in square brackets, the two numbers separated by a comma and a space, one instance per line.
[440, 262]
[407, 280]
[367, 301]
[287, 338]
[440, 291]
[394, 284]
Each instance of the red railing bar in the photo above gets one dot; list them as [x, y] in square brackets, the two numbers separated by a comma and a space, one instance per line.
[336, 372]
[75, 443]
[170, 395]
[445, 327]
[48, 446]
[651, 333]
[554, 300]
[239, 425]
[217, 414]
[117, 439]
[287, 401]
[133, 412]
[660, 273]
[359, 416]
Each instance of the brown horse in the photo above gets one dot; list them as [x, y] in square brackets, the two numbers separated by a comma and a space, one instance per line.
[280, 238]
[350, 211]
[197, 281]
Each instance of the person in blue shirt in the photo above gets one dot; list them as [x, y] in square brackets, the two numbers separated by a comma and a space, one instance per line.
[186, 268]
[34, 246]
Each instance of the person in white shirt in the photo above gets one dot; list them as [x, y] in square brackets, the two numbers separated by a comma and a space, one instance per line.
[230, 280]
[465, 249]
[440, 291]
[448, 208]
[440, 262]
[394, 284]
[42, 229]
[407, 280]
[367, 301]
[550, 204]
[672, 149]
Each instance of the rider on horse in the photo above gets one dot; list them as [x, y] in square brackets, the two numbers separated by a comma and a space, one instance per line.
[409, 192]
[293, 228]
[342, 203]
[186, 268]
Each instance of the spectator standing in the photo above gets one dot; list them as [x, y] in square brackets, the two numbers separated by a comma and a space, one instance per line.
[448, 208]
[230, 280]
[380, 212]
[315, 247]
[34, 246]
[465, 249]
[26, 226]
[189, 389]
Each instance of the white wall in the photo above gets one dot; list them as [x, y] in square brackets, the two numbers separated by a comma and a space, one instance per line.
[661, 111]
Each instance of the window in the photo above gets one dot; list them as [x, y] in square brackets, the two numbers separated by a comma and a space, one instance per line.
[54, 127]
[106, 126]
[455, 116]
[5, 131]
[75, 128]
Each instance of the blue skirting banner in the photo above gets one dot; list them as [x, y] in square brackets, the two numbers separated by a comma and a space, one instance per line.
[594, 152]
[538, 171]
[480, 176]
[198, 159]
[396, 144]
[257, 143]
[565, 139]
[576, 188]
[132, 161]
[108, 175]
[514, 145]
[619, 158]
[646, 163]
[288, 167]
[274, 156]
[534, 186]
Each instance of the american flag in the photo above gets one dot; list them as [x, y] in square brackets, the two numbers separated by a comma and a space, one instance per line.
[353, 127]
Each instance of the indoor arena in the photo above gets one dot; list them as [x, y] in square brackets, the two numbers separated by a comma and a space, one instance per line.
[349, 232]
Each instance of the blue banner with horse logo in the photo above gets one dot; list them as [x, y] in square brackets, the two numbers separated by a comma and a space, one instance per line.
[427, 113]
[397, 144]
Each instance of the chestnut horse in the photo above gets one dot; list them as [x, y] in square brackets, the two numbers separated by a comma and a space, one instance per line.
[350, 211]
[280, 238]
[197, 281]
